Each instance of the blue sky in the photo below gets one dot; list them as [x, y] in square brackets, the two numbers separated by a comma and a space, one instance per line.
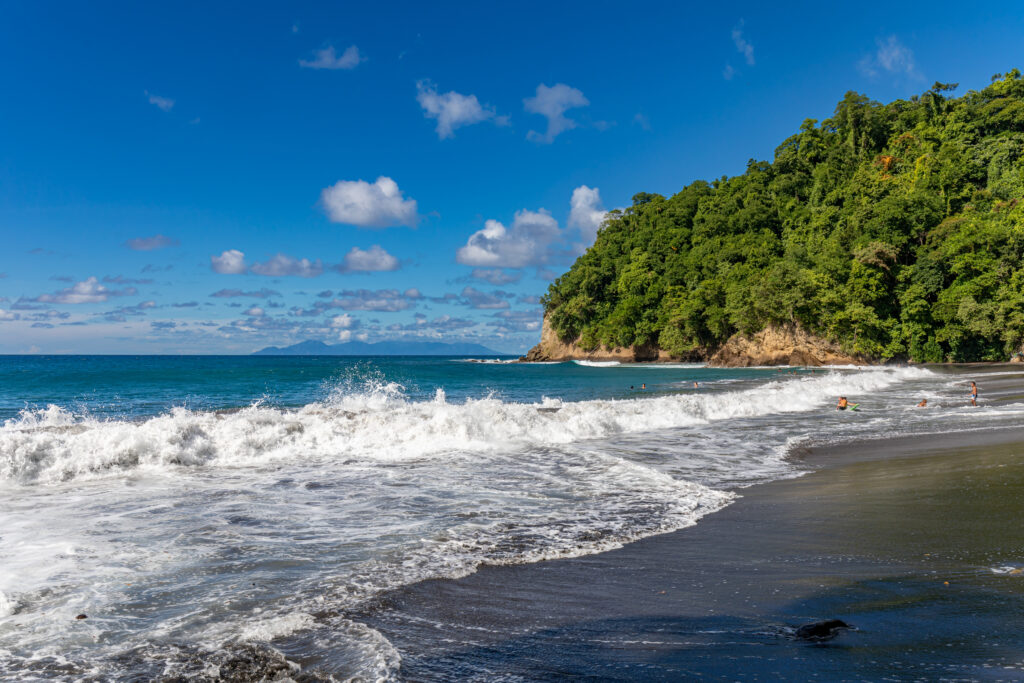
[218, 177]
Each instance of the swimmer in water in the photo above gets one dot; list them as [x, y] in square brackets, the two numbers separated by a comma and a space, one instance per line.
[923, 403]
[843, 403]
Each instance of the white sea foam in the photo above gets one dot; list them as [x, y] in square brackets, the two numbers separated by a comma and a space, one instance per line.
[203, 527]
[597, 363]
[378, 423]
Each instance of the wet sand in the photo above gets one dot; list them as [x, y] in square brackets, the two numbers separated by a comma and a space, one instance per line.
[913, 541]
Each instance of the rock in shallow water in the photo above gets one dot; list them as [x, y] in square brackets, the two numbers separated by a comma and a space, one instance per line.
[822, 630]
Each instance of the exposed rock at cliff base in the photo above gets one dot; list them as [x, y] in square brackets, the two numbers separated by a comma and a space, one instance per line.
[776, 345]
[551, 348]
[781, 345]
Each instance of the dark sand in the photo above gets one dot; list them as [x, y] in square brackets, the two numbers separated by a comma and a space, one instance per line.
[898, 537]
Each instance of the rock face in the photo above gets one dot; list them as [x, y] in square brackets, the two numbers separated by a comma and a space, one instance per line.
[776, 345]
[551, 348]
[781, 345]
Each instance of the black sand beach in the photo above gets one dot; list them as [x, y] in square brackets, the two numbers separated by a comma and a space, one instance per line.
[916, 542]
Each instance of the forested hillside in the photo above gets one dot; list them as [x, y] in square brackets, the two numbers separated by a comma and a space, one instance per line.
[896, 230]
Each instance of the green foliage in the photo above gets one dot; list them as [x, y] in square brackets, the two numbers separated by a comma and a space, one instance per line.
[896, 230]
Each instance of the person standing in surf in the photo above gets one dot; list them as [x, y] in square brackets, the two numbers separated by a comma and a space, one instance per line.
[974, 394]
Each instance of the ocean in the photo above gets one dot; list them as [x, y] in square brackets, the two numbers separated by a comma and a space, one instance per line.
[203, 512]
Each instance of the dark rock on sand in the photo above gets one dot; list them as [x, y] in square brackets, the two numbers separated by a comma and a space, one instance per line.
[819, 631]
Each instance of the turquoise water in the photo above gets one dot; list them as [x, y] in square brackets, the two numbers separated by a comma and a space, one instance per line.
[202, 509]
[142, 386]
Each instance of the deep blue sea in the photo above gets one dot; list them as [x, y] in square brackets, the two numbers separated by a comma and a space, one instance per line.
[196, 506]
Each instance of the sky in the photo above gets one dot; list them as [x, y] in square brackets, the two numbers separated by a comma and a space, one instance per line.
[220, 177]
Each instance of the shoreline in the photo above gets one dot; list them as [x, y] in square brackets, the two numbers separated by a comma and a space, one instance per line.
[871, 535]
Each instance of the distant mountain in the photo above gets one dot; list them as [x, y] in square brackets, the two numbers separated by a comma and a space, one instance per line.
[383, 348]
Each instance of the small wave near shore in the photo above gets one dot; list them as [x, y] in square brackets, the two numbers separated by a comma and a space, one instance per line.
[226, 530]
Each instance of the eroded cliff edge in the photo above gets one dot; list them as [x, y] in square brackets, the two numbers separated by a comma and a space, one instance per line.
[775, 345]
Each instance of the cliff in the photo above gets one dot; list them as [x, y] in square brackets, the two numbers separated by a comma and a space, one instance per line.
[775, 345]
[781, 345]
[551, 348]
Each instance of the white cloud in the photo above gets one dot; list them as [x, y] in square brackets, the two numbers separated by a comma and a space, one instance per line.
[255, 312]
[453, 110]
[230, 262]
[377, 205]
[525, 243]
[642, 121]
[552, 103]
[728, 72]
[586, 212]
[151, 243]
[163, 103]
[891, 56]
[9, 315]
[345, 335]
[474, 298]
[343, 321]
[282, 265]
[742, 46]
[384, 300]
[327, 58]
[496, 276]
[373, 259]
[88, 291]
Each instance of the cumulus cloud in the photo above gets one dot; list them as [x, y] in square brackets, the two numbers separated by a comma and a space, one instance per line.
[377, 205]
[121, 280]
[742, 45]
[88, 291]
[423, 327]
[163, 103]
[552, 103]
[586, 213]
[8, 316]
[374, 259]
[496, 276]
[526, 243]
[453, 110]
[474, 298]
[892, 57]
[384, 300]
[258, 294]
[282, 265]
[151, 243]
[255, 312]
[511, 322]
[344, 322]
[327, 58]
[641, 120]
[230, 262]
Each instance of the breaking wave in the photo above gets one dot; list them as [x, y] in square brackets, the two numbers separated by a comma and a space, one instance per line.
[377, 422]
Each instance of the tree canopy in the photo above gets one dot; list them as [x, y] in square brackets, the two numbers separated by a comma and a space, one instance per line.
[896, 230]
